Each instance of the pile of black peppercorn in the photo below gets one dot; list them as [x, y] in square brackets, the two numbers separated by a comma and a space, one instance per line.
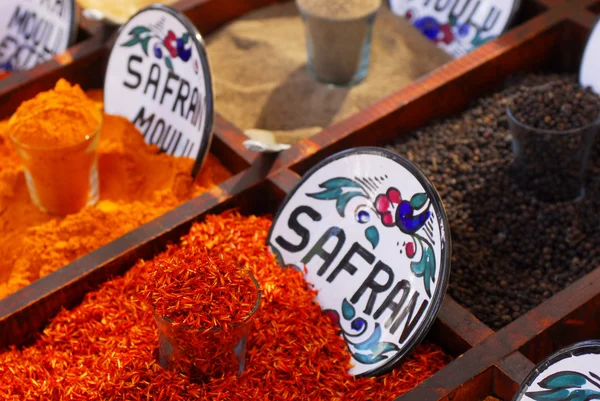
[554, 144]
[511, 251]
[557, 105]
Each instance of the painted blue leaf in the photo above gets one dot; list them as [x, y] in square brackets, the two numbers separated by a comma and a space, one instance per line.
[425, 268]
[327, 194]
[548, 395]
[565, 386]
[348, 310]
[145, 45]
[344, 199]
[418, 268]
[418, 201]
[339, 182]
[478, 41]
[384, 348]
[131, 42]
[563, 394]
[372, 341]
[372, 235]
[563, 379]
[369, 359]
[138, 30]
[584, 395]
[168, 63]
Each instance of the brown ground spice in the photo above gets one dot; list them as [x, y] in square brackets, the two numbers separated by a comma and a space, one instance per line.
[260, 80]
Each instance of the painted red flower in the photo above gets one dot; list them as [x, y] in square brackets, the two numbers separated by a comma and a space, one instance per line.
[383, 204]
[446, 34]
[170, 43]
[410, 249]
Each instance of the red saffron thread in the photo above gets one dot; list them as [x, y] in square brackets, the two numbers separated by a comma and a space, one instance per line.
[106, 347]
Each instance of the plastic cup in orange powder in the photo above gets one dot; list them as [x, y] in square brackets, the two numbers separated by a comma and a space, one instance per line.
[56, 135]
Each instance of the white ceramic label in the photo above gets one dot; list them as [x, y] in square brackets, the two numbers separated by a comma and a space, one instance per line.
[573, 378]
[457, 26]
[588, 74]
[33, 31]
[372, 240]
[158, 78]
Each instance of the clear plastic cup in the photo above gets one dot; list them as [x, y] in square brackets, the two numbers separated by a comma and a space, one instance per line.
[62, 180]
[339, 50]
[551, 164]
[205, 354]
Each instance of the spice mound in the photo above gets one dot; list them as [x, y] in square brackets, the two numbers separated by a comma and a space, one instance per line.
[137, 184]
[556, 105]
[339, 9]
[201, 292]
[58, 118]
[104, 349]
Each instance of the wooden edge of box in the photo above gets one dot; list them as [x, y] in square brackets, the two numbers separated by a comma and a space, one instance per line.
[514, 369]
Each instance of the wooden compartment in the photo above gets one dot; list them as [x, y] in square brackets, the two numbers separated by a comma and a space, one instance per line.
[556, 47]
[487, 362]
[500, 381]
[570, 317]
[24, 312]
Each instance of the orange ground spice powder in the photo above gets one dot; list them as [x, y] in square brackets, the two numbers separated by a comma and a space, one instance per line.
[61, 117]
[137, 184]
[106, 348]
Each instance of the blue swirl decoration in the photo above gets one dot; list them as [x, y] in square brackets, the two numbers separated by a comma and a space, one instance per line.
[567, 386]
[369, 351]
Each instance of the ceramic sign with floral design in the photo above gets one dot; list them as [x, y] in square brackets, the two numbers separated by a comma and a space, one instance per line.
[370, 234]
[158, 77]
[571, 374]
[588, 73]
[458, 26]
[34, 31]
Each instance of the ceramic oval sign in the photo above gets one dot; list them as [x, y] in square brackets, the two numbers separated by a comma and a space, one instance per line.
[34, 31]
[571, 374]
[588, 73]
[457, 26]
[370, 233]
[158, 77]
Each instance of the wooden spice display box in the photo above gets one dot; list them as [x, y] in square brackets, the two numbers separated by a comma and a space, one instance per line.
[550, 35]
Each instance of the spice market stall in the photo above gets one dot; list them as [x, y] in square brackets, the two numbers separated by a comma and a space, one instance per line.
[498, 318]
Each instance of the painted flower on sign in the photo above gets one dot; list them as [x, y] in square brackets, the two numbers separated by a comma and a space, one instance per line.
[409, 216]
[165, 48]
[446, 33]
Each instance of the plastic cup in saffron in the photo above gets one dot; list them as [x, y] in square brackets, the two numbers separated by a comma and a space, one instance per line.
[551, 164]
[62, 180]
[208, 353]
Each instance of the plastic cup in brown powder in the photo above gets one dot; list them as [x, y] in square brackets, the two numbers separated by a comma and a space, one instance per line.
[338, 38]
